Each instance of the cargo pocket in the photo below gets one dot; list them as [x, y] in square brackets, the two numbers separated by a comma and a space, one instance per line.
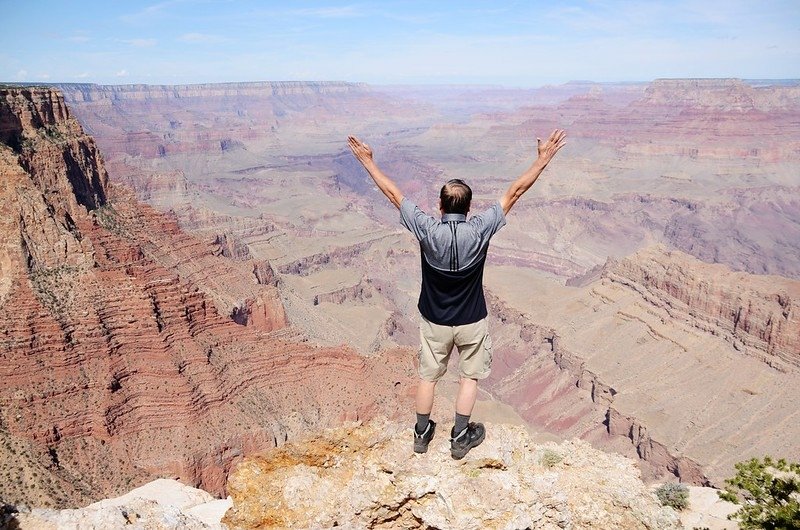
[487, 349]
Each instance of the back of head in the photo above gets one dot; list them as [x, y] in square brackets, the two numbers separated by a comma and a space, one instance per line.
[455, 197]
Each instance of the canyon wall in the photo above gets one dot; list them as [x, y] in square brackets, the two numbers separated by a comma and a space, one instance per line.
[757, 314]
[88, 92]
[120, 359]
[555, 389]
[690, 366]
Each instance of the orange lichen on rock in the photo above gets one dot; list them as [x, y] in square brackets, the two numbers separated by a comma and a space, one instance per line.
[366, 476]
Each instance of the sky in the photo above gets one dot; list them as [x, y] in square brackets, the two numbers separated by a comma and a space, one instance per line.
[521, 44]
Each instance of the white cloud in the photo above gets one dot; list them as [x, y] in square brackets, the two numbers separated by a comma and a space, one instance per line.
[201, 37]
[79, 38]
[141, 43]
[122, 73]
[329, 12]
[44, 75]
[21, 75]
[149, 13]
[82, 75]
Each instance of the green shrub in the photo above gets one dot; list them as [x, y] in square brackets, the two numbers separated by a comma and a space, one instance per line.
[769, 492]
[673, 495]
[550, 458]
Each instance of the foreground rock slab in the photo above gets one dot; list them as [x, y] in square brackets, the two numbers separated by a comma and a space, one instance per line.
[367, 476]
[162, 504]
[707, 510]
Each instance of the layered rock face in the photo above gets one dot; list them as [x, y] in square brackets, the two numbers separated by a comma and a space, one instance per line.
[120, 360]
[757, 314]
[689, 366]
[245, 112]
[367, 477]
[68, 163]
[93, 93]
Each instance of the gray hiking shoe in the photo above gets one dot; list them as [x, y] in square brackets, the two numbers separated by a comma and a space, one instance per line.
[461, 443]
[421, 441]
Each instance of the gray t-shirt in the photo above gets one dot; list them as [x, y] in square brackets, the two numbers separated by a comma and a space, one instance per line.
[436, 237]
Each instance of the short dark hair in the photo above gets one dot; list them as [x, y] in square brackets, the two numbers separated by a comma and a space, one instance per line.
[456, 196]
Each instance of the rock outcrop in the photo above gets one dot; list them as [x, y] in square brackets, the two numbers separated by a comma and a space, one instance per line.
[724, 94]
[759, 315]
[159, 505]
[119, 358]
[367, 476]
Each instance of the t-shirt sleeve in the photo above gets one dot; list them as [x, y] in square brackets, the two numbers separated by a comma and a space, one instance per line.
[417, 221]
[489, 221]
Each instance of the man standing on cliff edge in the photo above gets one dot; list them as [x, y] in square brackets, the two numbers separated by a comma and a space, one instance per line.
[451, 301]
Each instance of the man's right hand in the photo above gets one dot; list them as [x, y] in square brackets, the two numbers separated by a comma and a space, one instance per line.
[549, 148]
[545, 151]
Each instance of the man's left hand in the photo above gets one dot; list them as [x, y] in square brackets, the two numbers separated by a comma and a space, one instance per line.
[361, 151]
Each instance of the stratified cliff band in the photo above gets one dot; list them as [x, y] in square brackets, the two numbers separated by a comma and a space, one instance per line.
[119, 356]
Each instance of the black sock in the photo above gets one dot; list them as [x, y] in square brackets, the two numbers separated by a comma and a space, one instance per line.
[422, 422]
[461, 423]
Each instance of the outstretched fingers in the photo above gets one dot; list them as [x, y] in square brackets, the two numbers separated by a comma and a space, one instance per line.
[557, 140]
[557, 136]
[361, 150]
[548, 149]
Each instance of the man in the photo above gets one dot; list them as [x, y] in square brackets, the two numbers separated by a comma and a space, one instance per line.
[451, 300]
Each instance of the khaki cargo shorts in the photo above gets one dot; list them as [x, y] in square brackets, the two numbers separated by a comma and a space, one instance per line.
[474, 349]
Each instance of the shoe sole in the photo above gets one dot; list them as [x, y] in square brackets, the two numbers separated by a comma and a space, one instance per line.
[420, 450]
[460, 453]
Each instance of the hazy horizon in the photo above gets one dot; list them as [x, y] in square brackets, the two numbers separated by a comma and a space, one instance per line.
[432, 86]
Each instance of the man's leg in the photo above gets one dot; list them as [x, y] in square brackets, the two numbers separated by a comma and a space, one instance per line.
[467, 394]
[435, 345]
[475, 360]
[425, 393]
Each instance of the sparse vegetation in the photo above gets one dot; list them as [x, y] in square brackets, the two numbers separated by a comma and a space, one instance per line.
[53, 287]
[673, 495]
[769, 492]
[108, 218]
[550, 458]
[53, 133]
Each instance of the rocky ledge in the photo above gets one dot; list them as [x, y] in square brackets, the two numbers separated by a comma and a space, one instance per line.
[366, 476]
[162, 504]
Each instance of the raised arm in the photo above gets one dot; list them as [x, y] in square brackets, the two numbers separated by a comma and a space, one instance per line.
[363, 154]
[546, 152]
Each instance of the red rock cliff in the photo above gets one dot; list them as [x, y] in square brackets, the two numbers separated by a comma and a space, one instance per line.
[117, 365]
